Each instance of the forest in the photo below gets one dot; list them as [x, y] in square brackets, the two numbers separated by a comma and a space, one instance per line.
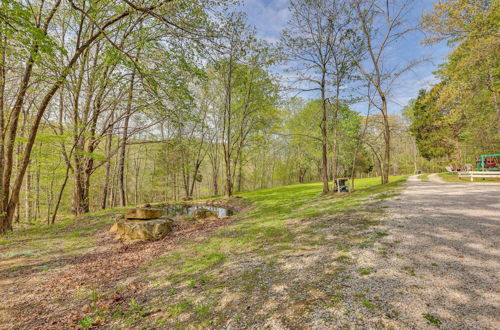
[249, 164]
[106, 104]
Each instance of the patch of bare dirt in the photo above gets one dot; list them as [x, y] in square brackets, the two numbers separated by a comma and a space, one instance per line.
[44, 294]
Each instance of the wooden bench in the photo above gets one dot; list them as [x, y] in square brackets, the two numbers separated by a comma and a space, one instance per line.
[479, 174]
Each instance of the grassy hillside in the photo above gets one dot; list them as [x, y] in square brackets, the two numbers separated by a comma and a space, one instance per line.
[284, 257]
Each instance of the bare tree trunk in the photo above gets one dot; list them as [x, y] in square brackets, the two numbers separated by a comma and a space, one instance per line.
[377, 39]
[137, 169]
[105, 190]
[226, 140]
[50, 199]
[387, 147]
[61, 192]
[78, 200]
[214, 161]
[123, 146]
[360, 141]
[114, 189]
[16, 214]
[334, 160]
[240, 175]
[27, 195]
[176, 193]
[335, 132]
[302, 174]
[3, 44]
[10, 196]
[37, 193]
[324, 138]
[195, 175]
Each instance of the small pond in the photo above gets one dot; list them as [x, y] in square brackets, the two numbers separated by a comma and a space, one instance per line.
[176, 210]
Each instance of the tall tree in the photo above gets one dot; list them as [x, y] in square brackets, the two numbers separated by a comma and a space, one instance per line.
[380, 24]
[308, 44]
[345, 49]
[29, 31]
[248, 90]
[433, 134]
[469, 78]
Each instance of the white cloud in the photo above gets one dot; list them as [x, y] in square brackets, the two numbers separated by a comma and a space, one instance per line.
[271, 16]
[268, 16]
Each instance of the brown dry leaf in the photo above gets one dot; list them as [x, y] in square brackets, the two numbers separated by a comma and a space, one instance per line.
[99, 269]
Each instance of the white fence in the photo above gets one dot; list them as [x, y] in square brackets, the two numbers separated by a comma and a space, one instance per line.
[479, 174]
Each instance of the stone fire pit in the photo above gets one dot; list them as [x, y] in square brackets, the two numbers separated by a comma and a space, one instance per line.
[142, 224]
[143, 214]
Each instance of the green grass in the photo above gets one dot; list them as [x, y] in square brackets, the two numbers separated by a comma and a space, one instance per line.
[365, 271]
[86, 322]
[68, 235]
[452, 177]
[432, 319]
[188, 282]
[408, 270]
[265, 233]
[267, 223]
[368, 304]
[424, 177]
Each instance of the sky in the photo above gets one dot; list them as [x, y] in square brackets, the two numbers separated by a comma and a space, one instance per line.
[271, 16]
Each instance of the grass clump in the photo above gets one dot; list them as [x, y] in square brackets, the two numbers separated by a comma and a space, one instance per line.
[409, 270]
[15, 254]
[368, 304]
[365, 271]
[343, 258]
[180, 308]
[387, 195]
[86, 322]
[432, 319]
[203, 309]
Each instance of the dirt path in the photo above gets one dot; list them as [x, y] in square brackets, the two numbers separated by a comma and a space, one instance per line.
[435, 178]
[445, 267]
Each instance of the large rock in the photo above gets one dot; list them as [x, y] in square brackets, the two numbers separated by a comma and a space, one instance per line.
[142, 230]
[143, 214]
[202, 213]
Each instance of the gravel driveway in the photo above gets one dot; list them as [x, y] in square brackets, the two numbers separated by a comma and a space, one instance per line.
[444, 269]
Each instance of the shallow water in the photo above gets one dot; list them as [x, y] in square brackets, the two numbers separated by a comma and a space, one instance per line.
[176, 210]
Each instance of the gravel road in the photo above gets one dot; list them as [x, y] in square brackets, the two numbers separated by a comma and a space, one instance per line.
[444, 269]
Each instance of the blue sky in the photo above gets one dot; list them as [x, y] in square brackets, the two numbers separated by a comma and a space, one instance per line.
[271, 16]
